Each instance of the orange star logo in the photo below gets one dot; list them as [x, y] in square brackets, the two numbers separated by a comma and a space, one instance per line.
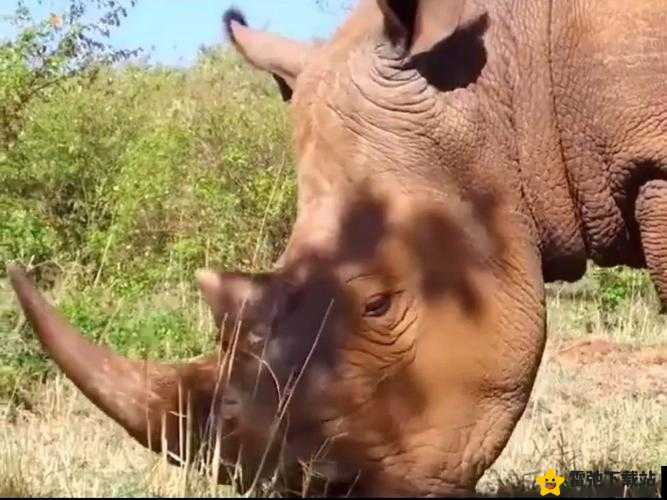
[550, 483]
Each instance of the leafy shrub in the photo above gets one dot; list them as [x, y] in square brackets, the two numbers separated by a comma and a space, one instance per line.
[617, 284]
[125, 185]
[156, 172]
[46, 53]
[23, 234]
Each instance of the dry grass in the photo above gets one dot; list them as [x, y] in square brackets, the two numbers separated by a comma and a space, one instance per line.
[575, 421]
[599, 400]
[575, 310]
[596, 405]
[67, 447]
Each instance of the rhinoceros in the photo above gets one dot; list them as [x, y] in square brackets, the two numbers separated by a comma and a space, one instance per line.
[453, 156]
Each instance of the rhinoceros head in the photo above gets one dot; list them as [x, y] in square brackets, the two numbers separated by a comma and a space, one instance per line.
[393, 347]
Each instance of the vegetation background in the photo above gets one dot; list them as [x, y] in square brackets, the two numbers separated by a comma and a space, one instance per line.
[118, 180]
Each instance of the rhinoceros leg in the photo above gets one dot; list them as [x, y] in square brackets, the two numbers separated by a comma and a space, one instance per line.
[651, 215]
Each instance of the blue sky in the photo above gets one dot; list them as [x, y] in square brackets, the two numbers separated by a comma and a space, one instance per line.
[173, 30]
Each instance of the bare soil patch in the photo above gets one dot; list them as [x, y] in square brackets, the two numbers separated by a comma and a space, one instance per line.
[614, 370]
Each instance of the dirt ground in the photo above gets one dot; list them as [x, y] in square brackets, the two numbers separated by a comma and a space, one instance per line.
[597, 405]
[615, 370]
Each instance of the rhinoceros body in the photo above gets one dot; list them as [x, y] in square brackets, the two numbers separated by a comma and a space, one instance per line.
[452, 157]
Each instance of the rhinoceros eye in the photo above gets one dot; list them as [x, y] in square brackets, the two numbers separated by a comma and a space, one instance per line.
[378, 305]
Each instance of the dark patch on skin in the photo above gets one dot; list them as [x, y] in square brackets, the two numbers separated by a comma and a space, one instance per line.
[444, 267]
[285, 90]
[401, 20]
[364, 225]
[457, 61]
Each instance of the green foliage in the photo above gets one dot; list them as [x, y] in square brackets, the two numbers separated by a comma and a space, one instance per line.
[616, 285]
[47, 53]
[166, 167]
[23, 235]
[139, 328]
[117, 188]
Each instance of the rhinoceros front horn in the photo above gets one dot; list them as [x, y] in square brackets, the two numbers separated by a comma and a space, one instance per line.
[149, 400]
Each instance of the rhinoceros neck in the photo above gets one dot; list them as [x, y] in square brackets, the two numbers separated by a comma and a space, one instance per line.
[519, 61]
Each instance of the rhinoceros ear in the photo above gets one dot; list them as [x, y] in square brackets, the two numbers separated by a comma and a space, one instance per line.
[418, 25]
[282, 57]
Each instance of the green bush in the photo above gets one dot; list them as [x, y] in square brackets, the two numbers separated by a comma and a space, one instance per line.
[49, 52]
[24, 235]
[161, 167]
[122, 187]
[616, 285]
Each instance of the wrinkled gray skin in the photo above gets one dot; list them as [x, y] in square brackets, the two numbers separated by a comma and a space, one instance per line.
[452, 157]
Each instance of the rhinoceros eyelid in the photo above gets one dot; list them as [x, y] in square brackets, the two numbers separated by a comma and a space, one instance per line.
[378, 305]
